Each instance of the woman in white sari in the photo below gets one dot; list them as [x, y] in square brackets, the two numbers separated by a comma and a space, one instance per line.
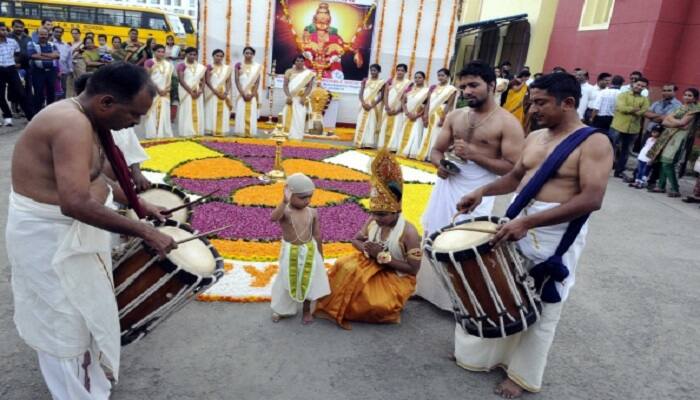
[156, 123]
[247, 78]
[298, 82]
[217, 104]
[442, 101]
[190, 116]
[415, 108]
[393, 111]
[371, 96]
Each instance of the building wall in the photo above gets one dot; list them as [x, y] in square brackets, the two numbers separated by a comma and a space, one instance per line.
[656, 39]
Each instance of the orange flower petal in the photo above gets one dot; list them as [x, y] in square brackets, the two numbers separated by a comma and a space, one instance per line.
[322, 170]
[270, 196]
[213, 168]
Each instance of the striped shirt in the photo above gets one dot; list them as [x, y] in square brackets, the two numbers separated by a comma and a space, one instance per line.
[8, 48]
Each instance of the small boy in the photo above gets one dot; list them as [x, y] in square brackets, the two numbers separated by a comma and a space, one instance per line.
[641, 174]
[302, 276]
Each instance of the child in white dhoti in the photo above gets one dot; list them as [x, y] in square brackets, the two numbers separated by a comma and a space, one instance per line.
[302, 276]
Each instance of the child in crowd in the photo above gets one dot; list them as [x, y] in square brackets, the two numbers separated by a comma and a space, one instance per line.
[641, 174]
[302, 276]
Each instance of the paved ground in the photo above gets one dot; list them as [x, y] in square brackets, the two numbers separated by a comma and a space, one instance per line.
[629, 331]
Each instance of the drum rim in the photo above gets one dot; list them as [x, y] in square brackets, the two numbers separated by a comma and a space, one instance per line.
[465, 254]
[205, 281]
[493, 332]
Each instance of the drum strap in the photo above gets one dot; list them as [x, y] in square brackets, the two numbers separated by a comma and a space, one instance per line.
[552, 268]
[121, 170]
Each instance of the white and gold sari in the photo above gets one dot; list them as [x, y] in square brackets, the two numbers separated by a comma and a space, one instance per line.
[412, 133]
[368, 121]
[393, 123]
[247, 111]
[439, 98]
[217, 111]
[294, 115]
[190, 114]
[156, 123]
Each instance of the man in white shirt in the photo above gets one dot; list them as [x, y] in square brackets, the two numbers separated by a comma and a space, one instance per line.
[586, 88]
[604, 105]
[603, 82]
[634, 76]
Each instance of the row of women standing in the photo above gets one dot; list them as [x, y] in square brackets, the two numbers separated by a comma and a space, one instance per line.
[207, 95]
[403, 115]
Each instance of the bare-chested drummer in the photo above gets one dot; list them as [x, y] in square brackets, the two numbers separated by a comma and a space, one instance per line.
[58, 225]
[482, 141]
[548, 219]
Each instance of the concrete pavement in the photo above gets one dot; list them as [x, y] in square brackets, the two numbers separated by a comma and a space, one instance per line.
[628, 330]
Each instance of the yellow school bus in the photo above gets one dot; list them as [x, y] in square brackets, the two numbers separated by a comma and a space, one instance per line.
[190, 27]
[109, 19]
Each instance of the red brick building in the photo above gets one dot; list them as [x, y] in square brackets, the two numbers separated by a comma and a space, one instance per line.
[658, 37]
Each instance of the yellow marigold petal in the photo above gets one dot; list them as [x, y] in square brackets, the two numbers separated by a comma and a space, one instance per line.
[163, 157]
[213, 168]
[269, 251]
[270, 196]
[322, 170]
[261, 278]
[415, 200]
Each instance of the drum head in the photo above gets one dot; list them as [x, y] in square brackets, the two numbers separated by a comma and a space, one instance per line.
[164, 198]
[193, 256]
[463, 239]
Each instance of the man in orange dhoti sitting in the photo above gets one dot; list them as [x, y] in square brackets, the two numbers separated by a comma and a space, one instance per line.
[374, 284]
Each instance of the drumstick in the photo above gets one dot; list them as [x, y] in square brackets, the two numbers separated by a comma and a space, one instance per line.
[187, 205]
[466, 228]
[201, 235]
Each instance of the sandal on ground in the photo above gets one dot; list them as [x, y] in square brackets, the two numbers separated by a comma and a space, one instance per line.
[691, 199]
[674, 194]
[657, 190]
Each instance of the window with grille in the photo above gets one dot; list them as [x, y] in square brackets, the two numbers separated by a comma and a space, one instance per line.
[596, 14]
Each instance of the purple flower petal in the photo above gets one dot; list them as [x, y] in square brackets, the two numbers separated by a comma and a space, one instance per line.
[357, 189]
[237, 150]
[205, 186]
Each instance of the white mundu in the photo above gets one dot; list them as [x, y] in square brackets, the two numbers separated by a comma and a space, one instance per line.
[524, 354]
[368, 121]
[217, 110]
[294, 115]
[190, 114]
[438, 109]
[128, 143]
[310, 273]
[64, 300]
[247, 111]
[438, 214]
[156, 123]
[392, 123]
[412, 131]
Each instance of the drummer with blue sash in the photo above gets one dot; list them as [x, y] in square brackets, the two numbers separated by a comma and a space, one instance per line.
[548, 219]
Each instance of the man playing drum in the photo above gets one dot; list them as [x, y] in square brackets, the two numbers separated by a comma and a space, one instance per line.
[560, 179]
[57, 230]
[483, 141]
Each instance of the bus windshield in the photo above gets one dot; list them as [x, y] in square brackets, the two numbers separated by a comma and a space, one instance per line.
[175, 24]
[187, 23]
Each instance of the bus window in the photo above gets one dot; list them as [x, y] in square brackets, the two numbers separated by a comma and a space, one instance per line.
[108, 16]
[85, 15]
[187, 23]
[132, 18]
[27, 10]
[175, 25]
[54, 13]
[153, 21]
[6, 9]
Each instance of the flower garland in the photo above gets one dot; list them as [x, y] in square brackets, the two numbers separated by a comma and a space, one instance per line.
[412, 61]
[229, 10]
[380, 33]
[450, 39]
[398, 37]
[205, 30]
[267, 45]
[247, 23]
[432, 39]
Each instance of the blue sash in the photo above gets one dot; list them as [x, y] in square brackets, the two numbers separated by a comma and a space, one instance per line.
[552, 268]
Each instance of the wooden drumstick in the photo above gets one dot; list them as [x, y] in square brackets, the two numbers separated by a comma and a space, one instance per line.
[201, 235]
[466, 228]
[190, 204]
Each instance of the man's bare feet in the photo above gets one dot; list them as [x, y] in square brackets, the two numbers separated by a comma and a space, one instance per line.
[508, 389]
[276, 317]
[308, 318]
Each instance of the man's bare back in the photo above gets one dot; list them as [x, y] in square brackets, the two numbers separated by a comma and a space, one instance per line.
[64, 127]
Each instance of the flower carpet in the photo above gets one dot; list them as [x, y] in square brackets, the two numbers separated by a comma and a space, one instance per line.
[235, 168]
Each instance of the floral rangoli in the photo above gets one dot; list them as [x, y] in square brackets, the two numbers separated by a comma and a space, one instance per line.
[233, 167]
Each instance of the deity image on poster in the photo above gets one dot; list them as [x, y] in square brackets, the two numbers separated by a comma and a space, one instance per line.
[335, 38]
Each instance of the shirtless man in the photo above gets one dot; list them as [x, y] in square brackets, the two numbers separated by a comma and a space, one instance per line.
[561, 204]
[483, 142]
[57, 232]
